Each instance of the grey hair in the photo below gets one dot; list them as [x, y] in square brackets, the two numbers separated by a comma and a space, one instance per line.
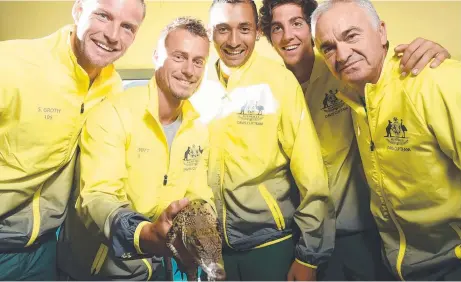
[328, 4]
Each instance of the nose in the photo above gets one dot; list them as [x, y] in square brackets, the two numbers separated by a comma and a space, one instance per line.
[234, 40]
[287, 35]
[343, 52]
[112, 33]
[188, 68]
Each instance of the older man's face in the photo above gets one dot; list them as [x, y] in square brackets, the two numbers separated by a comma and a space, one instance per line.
[353, 48]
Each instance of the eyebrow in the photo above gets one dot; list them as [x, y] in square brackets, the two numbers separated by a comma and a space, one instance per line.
[245, 24]
[349, 30]
[326, 44]
[102, 10]
[290, 20]
[186, 54]
[222, 25]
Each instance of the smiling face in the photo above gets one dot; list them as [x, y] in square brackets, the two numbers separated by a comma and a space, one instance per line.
[181, 64]
[104, 30]
[290, 34]
[234, 32]
[353, 47]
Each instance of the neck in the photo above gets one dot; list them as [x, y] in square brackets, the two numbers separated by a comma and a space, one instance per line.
[303, 69]
[225, 70]
[169, 107]
[359, 87]
[91, 70]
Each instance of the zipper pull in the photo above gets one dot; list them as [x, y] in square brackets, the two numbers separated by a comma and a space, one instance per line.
[82, 108]
[372, 146]
[165, 179]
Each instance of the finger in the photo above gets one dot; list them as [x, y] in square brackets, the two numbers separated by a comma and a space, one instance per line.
[417, 55]
[176, 206]
[423, 62]
[439, 58]
[400, 48]
[411, 48]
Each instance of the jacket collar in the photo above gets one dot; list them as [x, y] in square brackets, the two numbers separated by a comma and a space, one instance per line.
[63, 47]
[236, 73]
[188, 111]
[374, 93]
[319, 67]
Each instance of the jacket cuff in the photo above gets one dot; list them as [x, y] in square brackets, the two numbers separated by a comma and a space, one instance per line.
[123, 231]
[305, 264]
[137, 233]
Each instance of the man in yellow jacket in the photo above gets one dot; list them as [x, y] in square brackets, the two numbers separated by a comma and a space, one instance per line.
[140, 151]
[408, 132]
[47, 87]
[265, 167]
[357, 253]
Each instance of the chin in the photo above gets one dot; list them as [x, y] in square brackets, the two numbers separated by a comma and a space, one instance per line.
[102, 62]
[233, 64]
[182, 95]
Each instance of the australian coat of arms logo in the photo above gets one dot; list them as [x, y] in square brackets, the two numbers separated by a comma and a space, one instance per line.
[331, 104]
[396, 132]
[251, 113]
[191, 157]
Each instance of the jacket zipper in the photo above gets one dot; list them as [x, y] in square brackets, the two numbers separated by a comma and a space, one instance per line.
[402, 239]
[165, 177]
[364, 104]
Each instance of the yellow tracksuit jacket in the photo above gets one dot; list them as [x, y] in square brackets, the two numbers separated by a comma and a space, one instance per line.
[44, 100]
[409, 137]
[263, 149]
[126, 164]
[333, 123]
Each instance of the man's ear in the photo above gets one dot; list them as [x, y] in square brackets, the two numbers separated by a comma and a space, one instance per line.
[209, 32]
[77, 10]
[382, 33]
[258, 33]
[155, 58]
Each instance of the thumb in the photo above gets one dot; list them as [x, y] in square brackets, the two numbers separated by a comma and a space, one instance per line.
[175, 207]
[400, 48]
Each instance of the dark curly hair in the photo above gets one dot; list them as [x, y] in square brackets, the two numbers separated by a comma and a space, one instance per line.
[265, 13]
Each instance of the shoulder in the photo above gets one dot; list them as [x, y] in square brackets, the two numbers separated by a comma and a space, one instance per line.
[446, 77]
[275, 74]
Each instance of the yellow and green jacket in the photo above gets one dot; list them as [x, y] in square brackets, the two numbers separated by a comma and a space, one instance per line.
[409, 136]
[333, 123]
[126, 165]
[266, 167]
[44, 100]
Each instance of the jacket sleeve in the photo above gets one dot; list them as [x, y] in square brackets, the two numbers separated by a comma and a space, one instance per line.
[199, 188]
[315, 215]
[10, 105]
[442, 108]
[103, 169]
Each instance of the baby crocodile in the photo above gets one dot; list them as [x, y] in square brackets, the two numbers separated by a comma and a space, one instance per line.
[198, 229]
